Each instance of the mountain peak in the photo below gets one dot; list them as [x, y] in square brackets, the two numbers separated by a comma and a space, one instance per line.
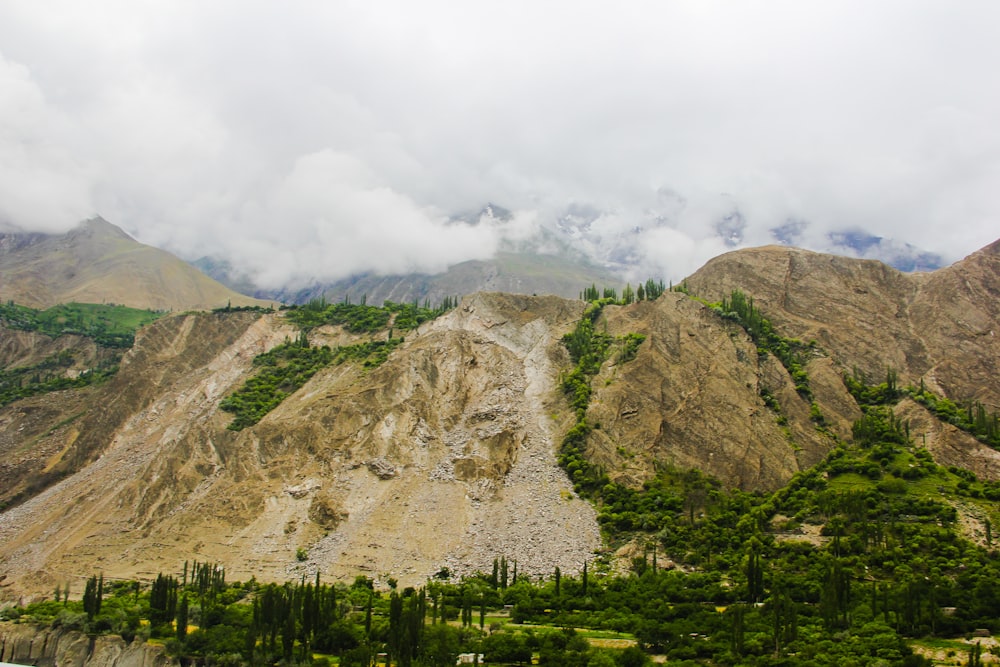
[98, 227]
[98, 262]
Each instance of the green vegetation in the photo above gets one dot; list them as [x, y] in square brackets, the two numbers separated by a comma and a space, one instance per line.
[230, 308]
[204, 620]
[409, 315]
[588, 348]
[648, 291]
[48, 375]
[370, 354]
[362, 318]
[791, 352]
[111, 327]
[847, 564]
[972, 419]
[283, 370]
[887, 561]
[356, 318]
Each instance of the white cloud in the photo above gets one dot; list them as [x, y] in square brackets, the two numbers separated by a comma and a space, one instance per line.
[318, 139]
[331, 217]
[41, 184]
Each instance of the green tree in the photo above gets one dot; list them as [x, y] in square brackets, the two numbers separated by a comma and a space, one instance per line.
[182, 618]
[440, 646]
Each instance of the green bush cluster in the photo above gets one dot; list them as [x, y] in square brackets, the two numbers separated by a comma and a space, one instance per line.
[589, 349]
[284, 369]
[629, 347]
[107, 324]
[791, 352]
[356, 318]
[362, 318]
[972, 419]
[280, 372]
[111, 327]
[48, 376]
[409, 316]
[648, 291]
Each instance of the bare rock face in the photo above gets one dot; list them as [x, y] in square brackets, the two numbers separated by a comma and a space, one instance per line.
[692, 398]
[446, 454]
[27, 644]
[325, 511]
[940, 326]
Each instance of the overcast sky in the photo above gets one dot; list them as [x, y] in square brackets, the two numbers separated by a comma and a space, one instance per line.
[319, 139]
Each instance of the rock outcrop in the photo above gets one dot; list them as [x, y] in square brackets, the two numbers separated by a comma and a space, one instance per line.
[26, 644]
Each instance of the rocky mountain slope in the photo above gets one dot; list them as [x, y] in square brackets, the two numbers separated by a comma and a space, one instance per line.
[99, 263]
[445, 455]
[940, 326]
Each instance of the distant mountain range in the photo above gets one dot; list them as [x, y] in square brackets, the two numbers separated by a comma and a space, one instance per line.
[98, 262]
[581, 247]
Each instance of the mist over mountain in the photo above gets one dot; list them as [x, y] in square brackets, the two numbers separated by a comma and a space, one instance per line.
[578, 246]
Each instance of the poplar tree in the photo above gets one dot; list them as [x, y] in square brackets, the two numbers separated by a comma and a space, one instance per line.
[92, 596]
[182, 618]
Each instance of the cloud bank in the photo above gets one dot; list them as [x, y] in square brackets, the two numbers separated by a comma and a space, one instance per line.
[316, 140]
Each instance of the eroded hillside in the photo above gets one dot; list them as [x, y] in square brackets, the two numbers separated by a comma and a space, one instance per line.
[446, 454]
[441, 457]
[942, 328]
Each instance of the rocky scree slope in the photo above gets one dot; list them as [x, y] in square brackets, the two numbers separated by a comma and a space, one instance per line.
[441, 457]
[445, 455]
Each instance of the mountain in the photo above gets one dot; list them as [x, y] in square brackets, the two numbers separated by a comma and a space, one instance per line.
[574, 246]
[445, 453]
[940, 326]
[511, 272]
[546, 262]
[99, 263]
